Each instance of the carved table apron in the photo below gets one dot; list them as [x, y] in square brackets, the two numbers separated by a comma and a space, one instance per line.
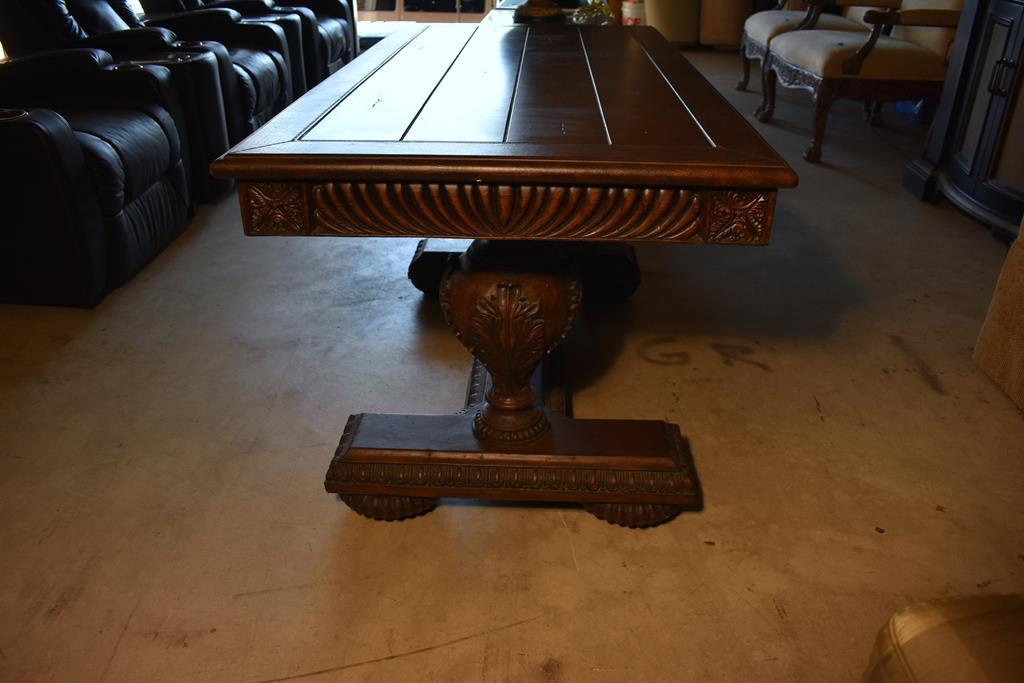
[531, 141]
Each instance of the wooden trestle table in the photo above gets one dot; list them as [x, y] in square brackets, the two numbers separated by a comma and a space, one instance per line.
[532, 141]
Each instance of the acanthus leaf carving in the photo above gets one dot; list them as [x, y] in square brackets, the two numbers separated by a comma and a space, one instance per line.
[506, 332]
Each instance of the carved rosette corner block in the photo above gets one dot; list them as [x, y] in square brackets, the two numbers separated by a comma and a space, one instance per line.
[273, 208]
[741, 217]
[510, 304]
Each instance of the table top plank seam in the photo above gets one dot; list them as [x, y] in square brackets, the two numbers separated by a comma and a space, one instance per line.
[515, 88]
[672, 87]
[437, 85]
[355, 86]
[593, 84]
[421, 64]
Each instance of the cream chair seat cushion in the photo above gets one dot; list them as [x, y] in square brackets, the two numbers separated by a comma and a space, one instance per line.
[764, 26]
[823, 53]
[954, 640]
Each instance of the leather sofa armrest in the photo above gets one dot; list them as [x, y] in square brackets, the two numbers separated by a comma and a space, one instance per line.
[245, 7]
[196, 20]
[50, 70]
[52, 243]
[149, 83]
[224, 26]
[338, 9]
[139, 83]
[150, 38]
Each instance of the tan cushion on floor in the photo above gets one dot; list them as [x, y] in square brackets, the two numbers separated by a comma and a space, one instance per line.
[975, 639]
[823, 53]
[764, 26]
[1000, 348]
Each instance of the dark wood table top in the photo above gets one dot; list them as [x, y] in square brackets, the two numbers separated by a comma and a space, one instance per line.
[511, 131]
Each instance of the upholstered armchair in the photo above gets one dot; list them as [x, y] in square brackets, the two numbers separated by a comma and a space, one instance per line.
[95, 185]
[903, 57]
[792, 15]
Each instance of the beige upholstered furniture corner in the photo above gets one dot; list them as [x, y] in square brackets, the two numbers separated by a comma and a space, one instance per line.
[976, 639]
[1000, 348]
[909, 63]
[707, 22]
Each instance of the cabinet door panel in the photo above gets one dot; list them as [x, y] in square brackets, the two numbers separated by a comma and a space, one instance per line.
[979, 112]
[1000, 178]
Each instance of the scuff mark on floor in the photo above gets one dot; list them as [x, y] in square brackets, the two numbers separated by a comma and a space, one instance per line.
[120, 637]
[282, 589]
[568, 534]
[779, 609]
[552, 669]
[920, 365]
[409, 653]
[67, 597]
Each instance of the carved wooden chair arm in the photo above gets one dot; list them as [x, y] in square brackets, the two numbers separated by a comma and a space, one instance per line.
[939, 18]
[814, 8]
[884, 21]
[853, 63]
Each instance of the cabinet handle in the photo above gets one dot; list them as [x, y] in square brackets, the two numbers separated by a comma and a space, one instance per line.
[995, 83]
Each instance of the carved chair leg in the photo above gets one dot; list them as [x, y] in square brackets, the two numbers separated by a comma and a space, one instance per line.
[769, 78]
[510, 303]
[824, 96]
[745, 61]
[875, 115]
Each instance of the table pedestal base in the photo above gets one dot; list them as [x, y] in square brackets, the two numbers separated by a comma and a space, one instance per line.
[635, 473]
[512, 304]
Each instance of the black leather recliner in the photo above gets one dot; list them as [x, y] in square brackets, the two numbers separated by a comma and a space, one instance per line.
[194, 74]
[96, 185]
[251, 58]
[329, 28]
[259, 78]
[253, 12]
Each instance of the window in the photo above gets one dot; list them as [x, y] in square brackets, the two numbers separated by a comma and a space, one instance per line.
[464, 11]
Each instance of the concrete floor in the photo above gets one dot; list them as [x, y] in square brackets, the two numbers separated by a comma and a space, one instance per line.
[162, 515]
